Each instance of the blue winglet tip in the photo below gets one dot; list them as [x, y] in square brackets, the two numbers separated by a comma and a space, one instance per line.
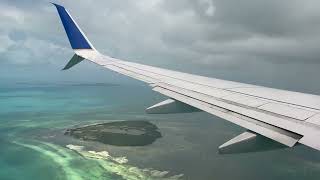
[55, 4]
[58, 6]
[76, 38]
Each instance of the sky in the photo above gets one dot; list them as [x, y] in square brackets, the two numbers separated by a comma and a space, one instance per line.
[274, 43]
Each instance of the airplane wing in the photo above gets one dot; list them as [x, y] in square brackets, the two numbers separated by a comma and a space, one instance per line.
[283, 116]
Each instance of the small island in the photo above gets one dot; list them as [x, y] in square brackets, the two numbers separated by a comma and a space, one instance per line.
[120, 133]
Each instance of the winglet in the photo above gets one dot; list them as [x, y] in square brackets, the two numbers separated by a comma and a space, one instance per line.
[73, 61]
[76, 37]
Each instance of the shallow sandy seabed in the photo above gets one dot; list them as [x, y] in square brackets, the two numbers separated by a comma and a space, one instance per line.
[103, 162]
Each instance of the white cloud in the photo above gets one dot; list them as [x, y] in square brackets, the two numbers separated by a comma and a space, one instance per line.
[32, 51]
[209, 7]
[147, 5]
[11, 13]
[6, 42]
[168, 32]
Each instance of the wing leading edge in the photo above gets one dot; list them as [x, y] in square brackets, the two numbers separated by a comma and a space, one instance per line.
[283, 116]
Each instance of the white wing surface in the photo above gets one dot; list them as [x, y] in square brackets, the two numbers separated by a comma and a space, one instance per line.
[283, 116]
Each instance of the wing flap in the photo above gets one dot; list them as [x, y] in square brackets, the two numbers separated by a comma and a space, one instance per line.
[287, 110]
[289, 97]
[314, 120]
[245, 100]
[277, 120]
[280, 135]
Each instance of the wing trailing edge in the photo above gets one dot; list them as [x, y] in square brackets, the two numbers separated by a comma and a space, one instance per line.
[249, 142]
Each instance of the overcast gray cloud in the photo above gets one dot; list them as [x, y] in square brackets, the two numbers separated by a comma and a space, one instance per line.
[248, 40]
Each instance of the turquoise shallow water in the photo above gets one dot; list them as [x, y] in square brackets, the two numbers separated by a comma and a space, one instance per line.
[31, 109]
[33, 117]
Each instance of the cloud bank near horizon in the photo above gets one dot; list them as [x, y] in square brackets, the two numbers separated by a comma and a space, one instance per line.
[210, 37]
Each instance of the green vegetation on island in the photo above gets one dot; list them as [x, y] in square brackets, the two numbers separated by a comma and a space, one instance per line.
[120, 133]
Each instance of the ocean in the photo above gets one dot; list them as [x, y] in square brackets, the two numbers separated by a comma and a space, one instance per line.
[34, 116]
